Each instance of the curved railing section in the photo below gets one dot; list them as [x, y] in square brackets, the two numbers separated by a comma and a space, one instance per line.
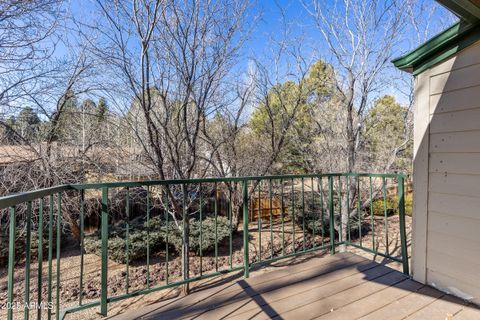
[79, 246]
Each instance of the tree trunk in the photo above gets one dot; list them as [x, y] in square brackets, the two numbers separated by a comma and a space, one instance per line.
[236, 212]
[347, 198]
[348, 195]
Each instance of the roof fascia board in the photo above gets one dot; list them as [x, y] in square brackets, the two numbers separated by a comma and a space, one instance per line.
[465, 9]
[423, 52]
[449, 51]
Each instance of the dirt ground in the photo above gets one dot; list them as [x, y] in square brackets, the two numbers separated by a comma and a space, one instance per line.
[138, 273]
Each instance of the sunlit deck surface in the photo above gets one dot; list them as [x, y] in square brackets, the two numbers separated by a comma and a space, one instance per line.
[342, 286]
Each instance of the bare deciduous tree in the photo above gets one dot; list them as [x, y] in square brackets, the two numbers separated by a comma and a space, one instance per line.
[173, 57]
[360, 37]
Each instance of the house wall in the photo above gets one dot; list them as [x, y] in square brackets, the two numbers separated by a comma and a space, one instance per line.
[446, 234]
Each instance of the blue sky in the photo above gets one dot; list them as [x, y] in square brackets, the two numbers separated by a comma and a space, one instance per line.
[295, 13]
[270, 22]
[301, 23]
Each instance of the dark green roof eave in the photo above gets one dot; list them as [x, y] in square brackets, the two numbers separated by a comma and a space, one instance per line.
[439, 48]
[467, 10]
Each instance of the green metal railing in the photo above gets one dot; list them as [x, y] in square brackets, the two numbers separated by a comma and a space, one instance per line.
[328, 210]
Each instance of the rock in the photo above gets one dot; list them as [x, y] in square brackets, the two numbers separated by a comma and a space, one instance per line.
[75, 292]
[92, 293]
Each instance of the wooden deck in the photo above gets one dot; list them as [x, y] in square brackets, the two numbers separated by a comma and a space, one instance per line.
[342, 286]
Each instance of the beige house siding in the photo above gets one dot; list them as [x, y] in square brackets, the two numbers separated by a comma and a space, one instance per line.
[446, 236]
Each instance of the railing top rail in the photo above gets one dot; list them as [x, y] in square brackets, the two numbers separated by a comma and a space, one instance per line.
[15, 199]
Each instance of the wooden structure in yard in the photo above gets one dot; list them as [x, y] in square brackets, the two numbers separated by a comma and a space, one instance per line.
[392, 190]
[262, 206]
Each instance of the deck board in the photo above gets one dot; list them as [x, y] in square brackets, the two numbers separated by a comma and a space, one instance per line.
[440, 309]
[408, 305]
[468, 313]
[374, 301]
[342, 286]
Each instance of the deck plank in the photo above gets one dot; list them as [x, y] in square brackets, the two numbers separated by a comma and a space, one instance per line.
[405, 306]
[468, 313]
[373, 302]
[440, 309]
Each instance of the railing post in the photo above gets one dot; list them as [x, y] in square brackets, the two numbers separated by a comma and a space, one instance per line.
[104, 278]
[331, 215]
[246, 263]
[401, 210]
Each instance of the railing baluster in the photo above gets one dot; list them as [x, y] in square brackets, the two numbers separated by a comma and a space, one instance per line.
[104, 273]
[58, 255]
[348, 210]
[259, 218]
[231, 226]
[331, 215]
[322, 211]
[340, 198]
[201, 232]
[246, 262]
[303, 212]
[40, 258]
[186, 240]
[27, 260]
[82, 244]
[50, 256]
[293, 218]
[372, 221]
[384, 187]
[283, 216]
[11, 262]
[359, 210]
[313, 213]
[168, 227]
[148, 237]
[127, 241]
[271, 217]
[216, 227]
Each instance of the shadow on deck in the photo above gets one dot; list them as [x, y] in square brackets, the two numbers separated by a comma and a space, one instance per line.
[342, 286]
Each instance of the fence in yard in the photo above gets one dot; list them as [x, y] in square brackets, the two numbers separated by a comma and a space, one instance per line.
[74, 247]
